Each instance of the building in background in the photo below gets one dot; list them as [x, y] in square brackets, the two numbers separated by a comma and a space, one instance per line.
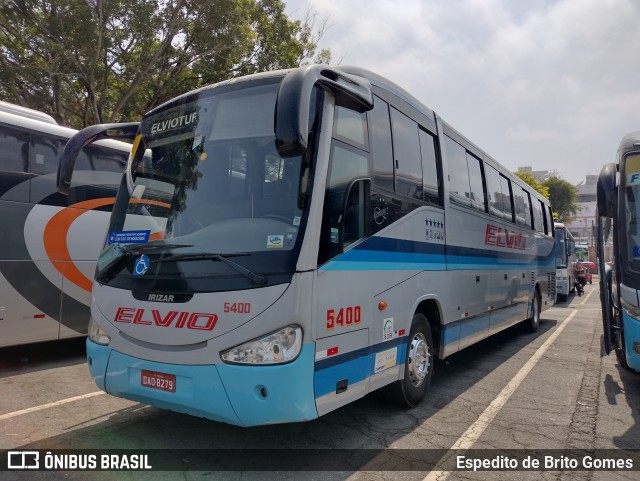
[583, 224]
[539, 175]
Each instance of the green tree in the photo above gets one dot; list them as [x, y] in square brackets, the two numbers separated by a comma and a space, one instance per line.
[92, 61]
[529, 179]
[563, 197]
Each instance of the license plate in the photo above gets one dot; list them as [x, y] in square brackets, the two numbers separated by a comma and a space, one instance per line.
[158, 380]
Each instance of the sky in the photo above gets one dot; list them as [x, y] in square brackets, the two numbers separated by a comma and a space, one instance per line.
[551, 84]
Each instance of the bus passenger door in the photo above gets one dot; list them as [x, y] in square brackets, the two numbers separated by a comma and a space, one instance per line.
[343, 307]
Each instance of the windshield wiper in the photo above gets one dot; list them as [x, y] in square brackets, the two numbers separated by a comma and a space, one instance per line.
[259, 279]
[149, 246]
[113, 253]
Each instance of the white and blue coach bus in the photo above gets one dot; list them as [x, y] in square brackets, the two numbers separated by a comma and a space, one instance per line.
[619, 209]
[565, 261]
[50, 242]
[285, 243]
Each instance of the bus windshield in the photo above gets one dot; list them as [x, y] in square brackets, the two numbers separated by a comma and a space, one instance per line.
[209, 183]
[561, 249]
[631, 185]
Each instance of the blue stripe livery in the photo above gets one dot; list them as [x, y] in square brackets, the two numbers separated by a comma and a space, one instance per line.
[383, 253]
[355, 366]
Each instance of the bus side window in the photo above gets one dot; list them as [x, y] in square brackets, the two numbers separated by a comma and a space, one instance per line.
[528, 210]
[494, 191]
[537, 216]
[408, 160]
[45, 157]
[430, 178]
[381, 150]
[519, 205]
[507, 209]
[14, 164]
[545, 221]
[345, 165]
[552, 231]
[355, 212]
[459, 189]
[478, 201]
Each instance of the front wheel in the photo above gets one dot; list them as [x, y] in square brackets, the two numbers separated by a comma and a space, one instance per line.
[621, 352]
[534, 320]
[418, 366]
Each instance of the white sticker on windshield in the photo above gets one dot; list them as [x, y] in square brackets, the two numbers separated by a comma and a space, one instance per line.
[296, 220]
[197, 141]
[275, 241]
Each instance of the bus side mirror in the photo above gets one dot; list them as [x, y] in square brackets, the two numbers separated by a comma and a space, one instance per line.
[607, 191]
[294, 95]
[83, 138]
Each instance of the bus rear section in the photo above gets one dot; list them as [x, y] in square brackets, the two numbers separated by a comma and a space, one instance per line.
[50, 241]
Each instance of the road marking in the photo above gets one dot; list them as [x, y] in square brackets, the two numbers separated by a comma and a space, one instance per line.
[587, 297]
[473, 432]
[49, 405]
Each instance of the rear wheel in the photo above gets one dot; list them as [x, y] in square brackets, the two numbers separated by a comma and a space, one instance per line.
[418, 366]
[534, 320]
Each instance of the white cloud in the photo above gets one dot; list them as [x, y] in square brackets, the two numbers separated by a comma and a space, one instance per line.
[547, 83]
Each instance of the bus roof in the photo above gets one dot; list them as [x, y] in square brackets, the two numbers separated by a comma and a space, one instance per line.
[34, 125]
[26, 112]
[630, 141]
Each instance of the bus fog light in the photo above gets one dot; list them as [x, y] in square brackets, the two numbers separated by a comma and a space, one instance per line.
[276, 348]
[96, 334]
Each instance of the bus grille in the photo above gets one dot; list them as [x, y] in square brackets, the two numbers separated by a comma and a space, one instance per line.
[551, 283]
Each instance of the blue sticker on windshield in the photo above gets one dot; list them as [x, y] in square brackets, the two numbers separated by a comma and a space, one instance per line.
[636, 251]
[129, 237]
[142, 266]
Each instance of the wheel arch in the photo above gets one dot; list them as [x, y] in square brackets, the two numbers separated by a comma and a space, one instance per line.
[431, 309]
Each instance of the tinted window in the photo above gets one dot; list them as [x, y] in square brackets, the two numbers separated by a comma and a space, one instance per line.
[381, 150]
[346, 165]
[406, 148]
[544, 218]
[527, 208]
[14, 164]
[351, 127]
[429, 167]
[475, 182]
[459, 190]
[519, 204]
[507, 211]
[96, 157]
[537, 216]
[494, 190]
[551, 230]
[46, 151]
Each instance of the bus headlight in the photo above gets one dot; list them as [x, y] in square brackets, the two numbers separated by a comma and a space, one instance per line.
[278, 347]
[96, 334]
[631, 310]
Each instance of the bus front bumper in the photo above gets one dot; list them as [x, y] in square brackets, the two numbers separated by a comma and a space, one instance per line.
[631, 340]
[234, 394]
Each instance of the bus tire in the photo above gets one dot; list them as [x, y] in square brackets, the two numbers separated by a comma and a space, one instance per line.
[418, 366]
[621, 353]
[534, 321]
